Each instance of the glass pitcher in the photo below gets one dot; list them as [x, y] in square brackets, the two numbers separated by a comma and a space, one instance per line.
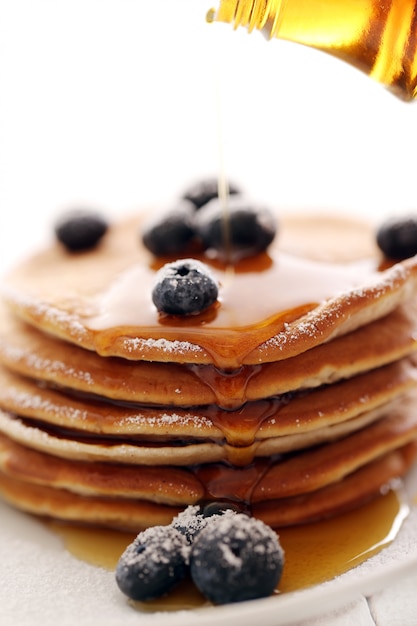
[377, 36]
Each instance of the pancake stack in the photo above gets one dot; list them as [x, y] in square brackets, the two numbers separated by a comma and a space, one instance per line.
[293, 397]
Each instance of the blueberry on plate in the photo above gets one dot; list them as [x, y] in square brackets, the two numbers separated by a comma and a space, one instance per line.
[236, 558]
[397, 237]
[80, 229]
[242, 228]
[153, 564]
[202, 191]
[171, 232]
[189, 522]
[184, 287]
[194, 518]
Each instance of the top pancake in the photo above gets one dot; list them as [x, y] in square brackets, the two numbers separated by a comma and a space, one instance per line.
[25, 350]
[319, 280]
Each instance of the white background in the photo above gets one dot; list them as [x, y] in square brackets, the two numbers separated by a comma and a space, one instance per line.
[118, 104]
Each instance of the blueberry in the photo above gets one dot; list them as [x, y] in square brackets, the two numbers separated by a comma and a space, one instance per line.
[184, 287]
[190, 522]
[153, 564]
[80, 229]
[240, 229]
[205, 190]
[236, 558]
[397, 237]
[170, 233]
[193, 518]
[218, 508]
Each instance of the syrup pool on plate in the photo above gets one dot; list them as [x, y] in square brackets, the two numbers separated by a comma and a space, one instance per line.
[314, 553]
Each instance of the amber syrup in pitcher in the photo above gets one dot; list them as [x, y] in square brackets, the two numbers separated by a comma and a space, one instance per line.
[375, 36]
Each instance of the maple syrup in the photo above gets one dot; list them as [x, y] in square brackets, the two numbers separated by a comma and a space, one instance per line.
[377, 37]
[263, 294]
[314, 553]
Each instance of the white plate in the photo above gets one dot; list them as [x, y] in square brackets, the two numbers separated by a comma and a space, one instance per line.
[42, 584]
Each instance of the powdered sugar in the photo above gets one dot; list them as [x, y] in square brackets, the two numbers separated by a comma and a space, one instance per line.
[35, 402]
[249, 531]
[169, 419]
[380, 294]
[50, 314]
[138, 344]
[36, 363]
[161, 543]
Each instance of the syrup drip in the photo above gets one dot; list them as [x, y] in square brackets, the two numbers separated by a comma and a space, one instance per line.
[232, 483]
[228, 386]
[314, 553]
[240, 427]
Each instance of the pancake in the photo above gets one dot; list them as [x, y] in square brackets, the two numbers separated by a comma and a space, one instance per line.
[59, 504]
[135, 515]
[35, 354]
[93, 300]
[284, 422]
[167, 485]
[294, 395]
[274, 477]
